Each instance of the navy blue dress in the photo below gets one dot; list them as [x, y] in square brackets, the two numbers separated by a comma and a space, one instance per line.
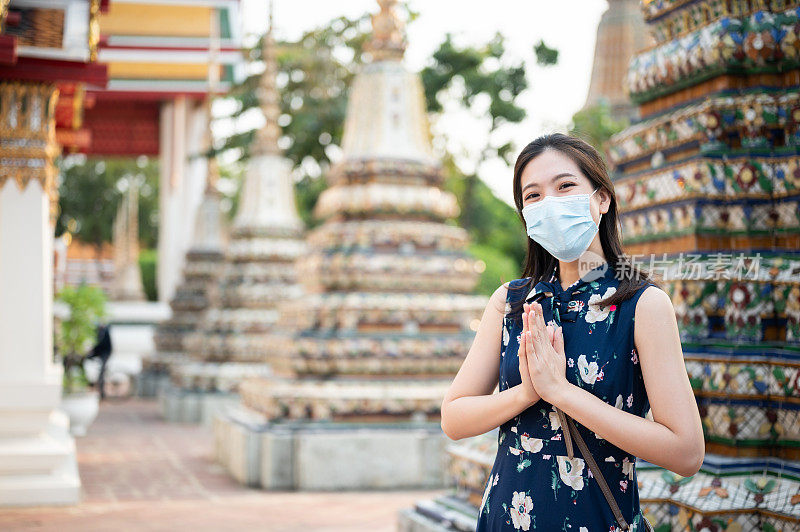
[533, 484]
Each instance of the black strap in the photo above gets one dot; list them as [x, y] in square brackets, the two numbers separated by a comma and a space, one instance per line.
[576, 437]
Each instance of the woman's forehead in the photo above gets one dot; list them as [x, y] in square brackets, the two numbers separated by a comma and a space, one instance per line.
[547, 165]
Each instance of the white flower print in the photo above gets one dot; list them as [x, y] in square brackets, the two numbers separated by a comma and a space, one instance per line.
[583, 529]
[629, 401]
[570, 362]
[532, 445]
[619, 403]
[555, 424]
[521, 505]
[505, 336]
[596, 313]
[508, 307]
[627, 468]
[570, 470]
[489, 485]
[514, 451]
[587, 370]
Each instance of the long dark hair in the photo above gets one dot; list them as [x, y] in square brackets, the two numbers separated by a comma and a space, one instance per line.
[539, 263]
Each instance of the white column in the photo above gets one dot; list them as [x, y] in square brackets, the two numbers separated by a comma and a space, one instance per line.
[182, 183]
[37, 455]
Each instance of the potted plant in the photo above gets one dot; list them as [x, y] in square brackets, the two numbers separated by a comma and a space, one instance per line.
[74, 338]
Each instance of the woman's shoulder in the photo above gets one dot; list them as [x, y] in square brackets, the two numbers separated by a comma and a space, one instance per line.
[509, 292]
[652, 298]
[518, 288]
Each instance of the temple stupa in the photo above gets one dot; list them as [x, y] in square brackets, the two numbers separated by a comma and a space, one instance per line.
[365, 357]
[620, 34]
[202, 265]
[233, 339]
[708, 185]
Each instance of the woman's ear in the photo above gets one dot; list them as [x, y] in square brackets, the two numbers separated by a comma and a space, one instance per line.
[605, 200]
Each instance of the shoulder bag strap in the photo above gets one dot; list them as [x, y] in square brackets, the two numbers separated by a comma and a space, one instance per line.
[576, 437]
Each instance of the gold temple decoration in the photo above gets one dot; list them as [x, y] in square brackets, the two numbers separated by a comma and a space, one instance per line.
[3, 13]
[28, 137]
[94, 29]
[388, 40]
[266, 141]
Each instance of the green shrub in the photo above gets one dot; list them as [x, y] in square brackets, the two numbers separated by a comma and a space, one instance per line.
[148, 258]
[76, 335]
[500, 268]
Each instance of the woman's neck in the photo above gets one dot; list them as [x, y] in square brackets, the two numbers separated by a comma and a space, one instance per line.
[570, 272]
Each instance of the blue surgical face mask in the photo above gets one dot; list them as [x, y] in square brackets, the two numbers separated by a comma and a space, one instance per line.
[563, 226]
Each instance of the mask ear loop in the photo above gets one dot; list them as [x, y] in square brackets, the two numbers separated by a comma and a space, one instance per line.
[601, 214]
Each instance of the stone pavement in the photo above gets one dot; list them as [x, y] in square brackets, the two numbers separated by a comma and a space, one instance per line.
[140, 473]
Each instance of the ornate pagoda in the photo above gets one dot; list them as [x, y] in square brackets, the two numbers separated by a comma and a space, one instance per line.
[620, 34]
[233, 339]
[387, 316]
[203, 261]
[708, 184]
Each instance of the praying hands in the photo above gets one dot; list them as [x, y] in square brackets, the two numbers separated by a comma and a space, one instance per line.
[542, 362]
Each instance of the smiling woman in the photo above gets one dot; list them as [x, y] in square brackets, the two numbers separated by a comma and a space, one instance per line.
[584, 336]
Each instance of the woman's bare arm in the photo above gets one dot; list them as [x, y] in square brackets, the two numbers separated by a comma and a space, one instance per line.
[470, 407]
[674, 439]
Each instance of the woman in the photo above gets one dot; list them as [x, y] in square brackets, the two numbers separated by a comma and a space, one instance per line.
[585, 333]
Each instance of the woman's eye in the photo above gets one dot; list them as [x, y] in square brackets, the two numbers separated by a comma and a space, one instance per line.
[533, 194]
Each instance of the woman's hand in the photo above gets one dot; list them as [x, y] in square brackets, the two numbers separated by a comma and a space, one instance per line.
[527, 390]
[546, 361]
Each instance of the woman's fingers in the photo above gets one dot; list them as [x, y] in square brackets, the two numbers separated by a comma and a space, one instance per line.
[536, 328]
[525, 318]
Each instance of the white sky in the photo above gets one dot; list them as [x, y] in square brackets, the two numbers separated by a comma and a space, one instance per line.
[555, 93]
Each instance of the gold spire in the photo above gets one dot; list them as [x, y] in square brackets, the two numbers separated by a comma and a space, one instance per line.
[388, 40]
[213, 79]
[266, 141]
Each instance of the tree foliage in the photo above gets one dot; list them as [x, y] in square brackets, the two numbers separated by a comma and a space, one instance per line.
[480, 71]
[90, 190]
[595, 125]
[76, 333]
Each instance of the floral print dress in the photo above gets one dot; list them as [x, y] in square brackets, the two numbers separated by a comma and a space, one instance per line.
[533, 484]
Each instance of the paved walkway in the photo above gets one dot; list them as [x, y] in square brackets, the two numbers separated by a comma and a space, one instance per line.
[141, 473]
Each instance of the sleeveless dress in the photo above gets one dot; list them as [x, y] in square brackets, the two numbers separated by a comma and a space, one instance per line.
[533, 484]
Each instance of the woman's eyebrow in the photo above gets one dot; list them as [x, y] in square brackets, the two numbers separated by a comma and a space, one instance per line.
[563, 174]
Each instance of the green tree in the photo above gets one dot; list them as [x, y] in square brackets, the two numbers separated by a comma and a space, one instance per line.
[595, 125]
[314, 74]
[90, 190]
[471, 72]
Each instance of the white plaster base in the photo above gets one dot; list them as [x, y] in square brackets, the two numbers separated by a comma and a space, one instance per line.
[186, 406]
[329, 455]
[40, 470]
